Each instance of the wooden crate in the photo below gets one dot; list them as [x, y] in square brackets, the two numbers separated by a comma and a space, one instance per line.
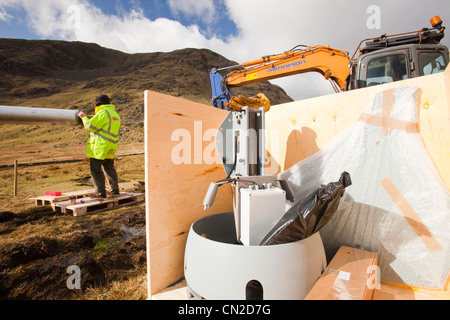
[294, 131]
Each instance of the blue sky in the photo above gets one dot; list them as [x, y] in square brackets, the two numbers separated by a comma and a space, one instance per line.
[17, 27]
[240, 30]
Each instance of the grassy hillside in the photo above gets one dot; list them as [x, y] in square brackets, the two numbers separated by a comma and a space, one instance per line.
[61, 74]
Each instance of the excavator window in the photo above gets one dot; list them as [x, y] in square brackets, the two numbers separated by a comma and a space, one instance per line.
[386, 69]
[431, 62]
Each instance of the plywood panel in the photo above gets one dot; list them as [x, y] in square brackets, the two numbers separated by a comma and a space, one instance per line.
[298, 129]
[180, 164]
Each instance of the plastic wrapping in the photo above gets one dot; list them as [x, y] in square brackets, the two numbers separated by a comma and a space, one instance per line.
[309, 214]
[407, 220]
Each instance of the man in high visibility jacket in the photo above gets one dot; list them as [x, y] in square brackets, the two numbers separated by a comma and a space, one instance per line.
[102, 144]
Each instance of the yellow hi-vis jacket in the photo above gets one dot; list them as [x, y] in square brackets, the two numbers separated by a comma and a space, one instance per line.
[104, 133]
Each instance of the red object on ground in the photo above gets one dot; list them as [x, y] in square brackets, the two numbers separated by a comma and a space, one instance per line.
[53, 193]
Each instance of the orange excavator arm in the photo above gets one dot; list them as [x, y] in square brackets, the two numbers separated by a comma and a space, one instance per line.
[331, 63]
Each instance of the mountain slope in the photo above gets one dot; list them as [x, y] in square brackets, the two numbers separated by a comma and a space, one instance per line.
[61, 74]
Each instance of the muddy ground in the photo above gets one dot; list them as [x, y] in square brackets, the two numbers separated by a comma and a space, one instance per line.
[40, 245]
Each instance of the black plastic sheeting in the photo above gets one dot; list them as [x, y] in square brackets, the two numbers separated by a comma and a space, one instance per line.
[310, 214]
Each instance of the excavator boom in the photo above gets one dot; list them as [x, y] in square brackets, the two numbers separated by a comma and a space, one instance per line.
[329, 62]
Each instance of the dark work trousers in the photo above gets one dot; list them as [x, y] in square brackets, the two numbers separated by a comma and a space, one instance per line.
[98, 177]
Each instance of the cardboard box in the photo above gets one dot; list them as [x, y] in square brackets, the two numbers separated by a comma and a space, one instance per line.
[351, 275]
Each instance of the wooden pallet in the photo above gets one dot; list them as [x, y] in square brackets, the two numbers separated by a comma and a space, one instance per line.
[50, 200]
[87, 205]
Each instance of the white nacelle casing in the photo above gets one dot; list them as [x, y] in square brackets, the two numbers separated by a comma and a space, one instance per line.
[216, 267]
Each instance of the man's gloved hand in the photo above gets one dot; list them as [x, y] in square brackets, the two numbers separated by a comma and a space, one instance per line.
[81, 114]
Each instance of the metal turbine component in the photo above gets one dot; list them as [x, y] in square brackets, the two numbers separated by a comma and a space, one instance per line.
[19, 115]
[223, 255]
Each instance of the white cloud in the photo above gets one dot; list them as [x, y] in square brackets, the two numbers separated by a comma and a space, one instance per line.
[4, 16]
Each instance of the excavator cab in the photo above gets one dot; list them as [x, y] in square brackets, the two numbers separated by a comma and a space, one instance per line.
[398, 57]
[397, 63]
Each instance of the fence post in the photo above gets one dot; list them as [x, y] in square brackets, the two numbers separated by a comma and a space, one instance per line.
[15, 178]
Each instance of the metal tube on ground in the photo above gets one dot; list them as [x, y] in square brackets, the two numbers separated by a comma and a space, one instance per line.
[20, 115]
